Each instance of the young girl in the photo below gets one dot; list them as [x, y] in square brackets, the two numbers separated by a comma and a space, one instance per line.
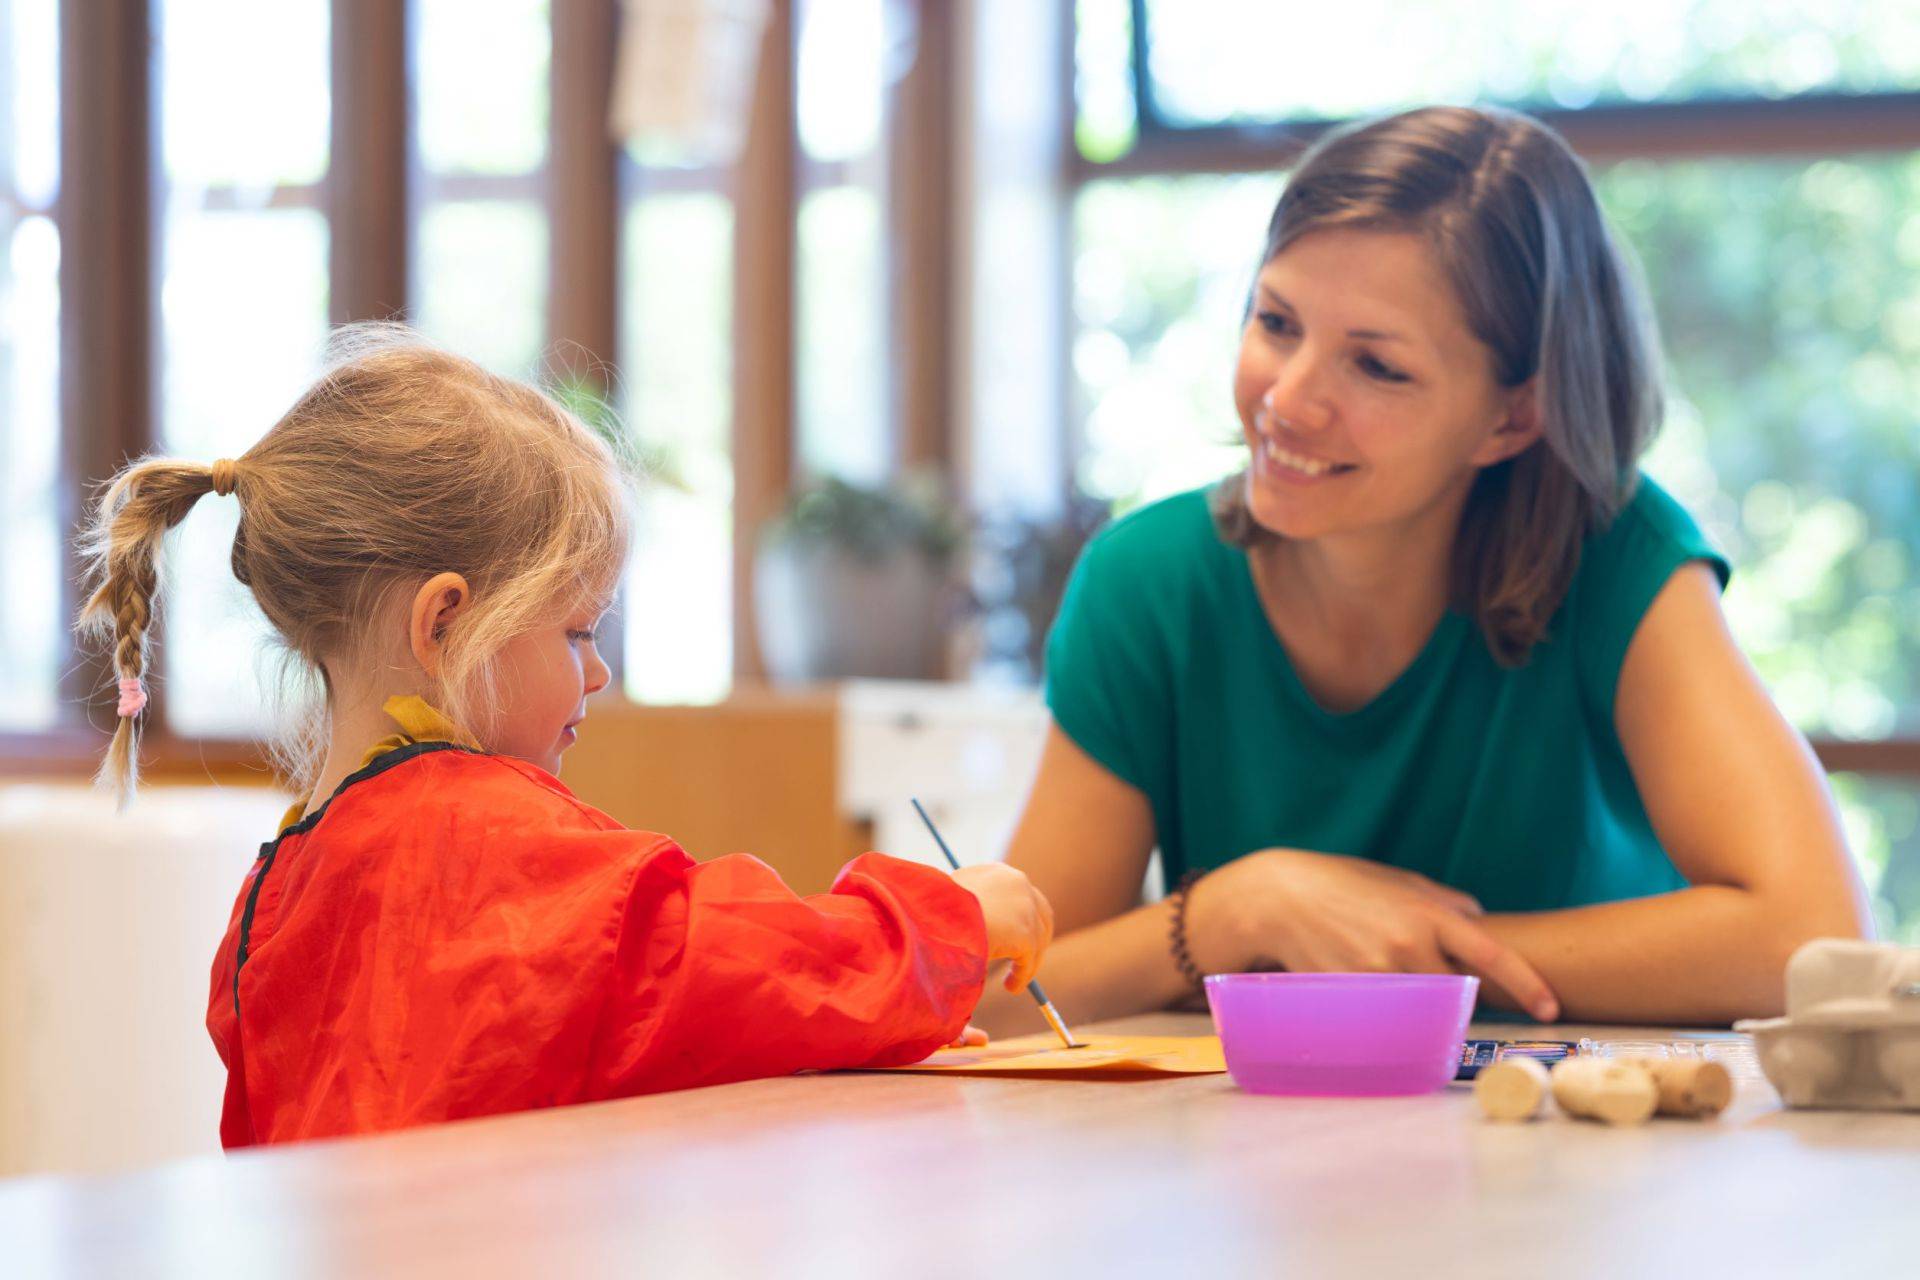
[1440, 681]
[441, 930]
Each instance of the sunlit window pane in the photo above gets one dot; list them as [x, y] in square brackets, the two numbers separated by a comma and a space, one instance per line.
[1790, 298]
[29, 100]
[848, 50]
[677, 365]
[1161, 269]
[243, 320]
[1882, 820]
[839, 77]
[1239, 61]
[1106, 118]
[481, 281]
[247, 99]
[481, 85]
[31, 556]
[843, 354]
[480, 262]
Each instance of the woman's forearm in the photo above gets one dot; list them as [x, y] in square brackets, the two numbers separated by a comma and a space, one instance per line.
[1699, 956]
[1106, 970]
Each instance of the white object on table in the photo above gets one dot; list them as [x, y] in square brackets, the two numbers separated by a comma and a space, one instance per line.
[108, 926]
[1851, 1037]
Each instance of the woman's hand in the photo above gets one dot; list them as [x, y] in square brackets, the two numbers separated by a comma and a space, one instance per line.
[1019, 917]
[1320, 913]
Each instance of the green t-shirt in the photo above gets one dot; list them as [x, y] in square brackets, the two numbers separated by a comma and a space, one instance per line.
[1509, 784]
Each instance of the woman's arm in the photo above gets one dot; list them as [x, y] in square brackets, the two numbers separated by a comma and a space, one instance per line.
[1084, 840]
[1740, 805]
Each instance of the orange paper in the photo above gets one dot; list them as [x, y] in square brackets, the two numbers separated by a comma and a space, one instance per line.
[1113, 1056]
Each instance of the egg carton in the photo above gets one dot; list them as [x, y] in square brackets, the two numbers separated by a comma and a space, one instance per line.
[1851, 1037]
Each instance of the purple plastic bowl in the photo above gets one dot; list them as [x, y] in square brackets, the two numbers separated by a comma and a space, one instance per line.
[1350, 1035]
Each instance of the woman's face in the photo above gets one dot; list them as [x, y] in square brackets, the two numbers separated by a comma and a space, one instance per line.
[1364, 396]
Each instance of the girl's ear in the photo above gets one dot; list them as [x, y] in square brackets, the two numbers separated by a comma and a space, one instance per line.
[1517, 431]
[435, 605]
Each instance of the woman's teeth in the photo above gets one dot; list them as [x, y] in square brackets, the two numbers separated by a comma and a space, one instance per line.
[1308, 466]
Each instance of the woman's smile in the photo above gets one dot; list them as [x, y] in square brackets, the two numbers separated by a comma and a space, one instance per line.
[1287, 461]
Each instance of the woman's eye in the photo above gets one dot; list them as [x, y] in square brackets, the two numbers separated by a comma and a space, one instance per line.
[583, 637]
[1382, 372]
[1273, 322]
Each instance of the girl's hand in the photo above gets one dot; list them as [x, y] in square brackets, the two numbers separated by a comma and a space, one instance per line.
[1019, 917]
[972, 1038]
[1320, 913]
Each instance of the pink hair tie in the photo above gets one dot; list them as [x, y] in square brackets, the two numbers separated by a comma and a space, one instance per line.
[133, 696]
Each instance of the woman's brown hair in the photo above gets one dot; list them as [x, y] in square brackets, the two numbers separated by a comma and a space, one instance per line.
[1514, 224]
[400, 462]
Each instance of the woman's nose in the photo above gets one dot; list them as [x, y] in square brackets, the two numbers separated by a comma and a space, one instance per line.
[1293, 397]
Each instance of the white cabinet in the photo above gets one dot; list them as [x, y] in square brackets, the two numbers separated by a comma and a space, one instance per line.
[108, 926]
[968, 753]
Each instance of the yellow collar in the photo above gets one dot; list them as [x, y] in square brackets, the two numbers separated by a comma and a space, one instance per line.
[418, 721]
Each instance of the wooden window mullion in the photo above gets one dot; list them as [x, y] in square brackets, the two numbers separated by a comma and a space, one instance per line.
[583, 192]
[582, 312]
[763, 321]
[920, 276]
[107, 288]
[367, 173]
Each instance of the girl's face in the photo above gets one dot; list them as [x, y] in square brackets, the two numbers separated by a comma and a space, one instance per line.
[544, 679]
[1364, 396]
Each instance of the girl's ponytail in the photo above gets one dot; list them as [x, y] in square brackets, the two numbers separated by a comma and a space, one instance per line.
[122, 543]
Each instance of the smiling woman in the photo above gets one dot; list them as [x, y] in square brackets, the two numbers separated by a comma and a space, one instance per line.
[1446, 381]
[1495, 317]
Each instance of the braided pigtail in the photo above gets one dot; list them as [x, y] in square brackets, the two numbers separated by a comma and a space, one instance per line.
[122, 544]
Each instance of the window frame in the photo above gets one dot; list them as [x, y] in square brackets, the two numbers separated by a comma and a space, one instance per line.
[104, 208]
[1812, 124]
[1729, 125]
[108, 285]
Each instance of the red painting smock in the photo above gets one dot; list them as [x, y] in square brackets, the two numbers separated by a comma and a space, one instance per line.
[454, 934]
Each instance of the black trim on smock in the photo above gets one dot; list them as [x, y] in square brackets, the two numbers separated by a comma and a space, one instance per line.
[271, 849]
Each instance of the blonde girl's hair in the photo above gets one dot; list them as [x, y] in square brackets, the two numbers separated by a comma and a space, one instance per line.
[1513, 221]
[400, 462]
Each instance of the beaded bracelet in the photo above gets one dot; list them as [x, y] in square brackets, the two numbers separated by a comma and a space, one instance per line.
[1177, 932]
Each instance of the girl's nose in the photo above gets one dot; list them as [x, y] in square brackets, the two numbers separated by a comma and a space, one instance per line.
[598, 674]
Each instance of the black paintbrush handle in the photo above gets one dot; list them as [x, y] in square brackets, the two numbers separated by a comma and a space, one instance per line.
[1033, 988]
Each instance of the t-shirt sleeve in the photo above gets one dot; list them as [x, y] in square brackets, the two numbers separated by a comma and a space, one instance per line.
[1622, 569]
[1108, 673]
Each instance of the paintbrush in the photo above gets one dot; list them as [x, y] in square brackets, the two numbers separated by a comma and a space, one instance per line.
[1051, 1014]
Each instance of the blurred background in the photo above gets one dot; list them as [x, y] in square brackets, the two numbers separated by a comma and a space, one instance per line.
[895, 301]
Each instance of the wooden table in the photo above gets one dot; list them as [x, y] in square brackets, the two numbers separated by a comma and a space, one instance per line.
[852, 1175]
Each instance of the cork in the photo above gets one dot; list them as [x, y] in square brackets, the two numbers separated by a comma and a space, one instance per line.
[1616, 1091]
[1512, 1089]
[1694, 1089]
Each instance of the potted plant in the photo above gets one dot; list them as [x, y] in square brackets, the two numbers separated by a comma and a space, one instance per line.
[857, 582]
[1020, 569]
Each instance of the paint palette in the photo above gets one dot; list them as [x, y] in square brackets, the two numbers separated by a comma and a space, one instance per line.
[1477, 1054]
[1734, 1052]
